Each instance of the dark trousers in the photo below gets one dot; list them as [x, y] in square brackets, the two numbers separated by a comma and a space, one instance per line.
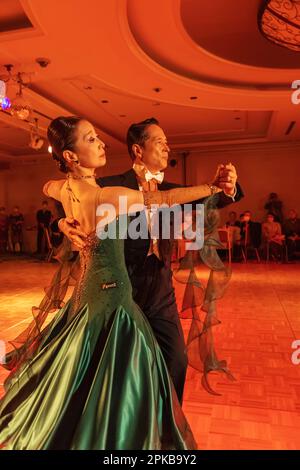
[154, 293]
[276, 250]
[41, 240]
[293, 246]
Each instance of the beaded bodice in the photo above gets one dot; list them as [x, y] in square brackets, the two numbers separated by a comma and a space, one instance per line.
[103, 269]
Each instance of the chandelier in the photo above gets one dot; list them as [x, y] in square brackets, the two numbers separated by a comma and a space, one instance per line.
[36, 142]
[4, 100]
[19, 105]
[279, 22]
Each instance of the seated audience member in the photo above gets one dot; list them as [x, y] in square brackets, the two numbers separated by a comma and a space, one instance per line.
[250, 231]
[232, 220]
[274, 206]
[291, 229]
[272, 236]
[233, 225]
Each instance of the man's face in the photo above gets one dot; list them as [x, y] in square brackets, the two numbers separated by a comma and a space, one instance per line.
[155, 151]
[247, 216]
[45, 207]
[292, 215]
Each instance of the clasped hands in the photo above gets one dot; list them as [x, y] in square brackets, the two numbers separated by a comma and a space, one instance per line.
[225, 178]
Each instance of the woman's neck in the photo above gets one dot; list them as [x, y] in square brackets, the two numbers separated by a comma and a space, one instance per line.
[84, 174]
[81, 171]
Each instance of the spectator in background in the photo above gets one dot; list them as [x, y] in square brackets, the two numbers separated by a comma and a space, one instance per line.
[16, 221]
[241, 219]
[4, 224]
[234, 227]
[56, 235]
[291, 229]
[43, 217]
[250, 230]
[272, 235]
[232, 220]
[274, 206]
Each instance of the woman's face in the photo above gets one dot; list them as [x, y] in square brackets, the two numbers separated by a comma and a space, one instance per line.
[89, 149]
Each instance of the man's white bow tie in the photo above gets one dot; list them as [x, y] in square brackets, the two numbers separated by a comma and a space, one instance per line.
[158, 176]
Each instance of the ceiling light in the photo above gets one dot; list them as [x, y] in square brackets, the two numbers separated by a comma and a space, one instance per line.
[43, 62]
[36, 142]
[5, 103]
[4, 100]
[20, 107]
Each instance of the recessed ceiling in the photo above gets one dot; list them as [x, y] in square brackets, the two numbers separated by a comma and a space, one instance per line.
[229, 29]
[202, 68]
[13, 16]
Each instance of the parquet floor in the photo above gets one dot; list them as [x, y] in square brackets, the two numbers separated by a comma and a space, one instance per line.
[260, 318]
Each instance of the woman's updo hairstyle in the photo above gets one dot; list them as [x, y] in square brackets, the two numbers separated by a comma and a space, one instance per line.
[62, 136]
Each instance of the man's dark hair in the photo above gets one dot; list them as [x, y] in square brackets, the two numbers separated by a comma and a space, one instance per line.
[137, 134]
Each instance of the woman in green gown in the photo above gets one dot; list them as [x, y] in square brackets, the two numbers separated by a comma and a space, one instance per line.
[94, 377]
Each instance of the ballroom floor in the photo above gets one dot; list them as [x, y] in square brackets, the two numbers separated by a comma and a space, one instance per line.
[260, 318]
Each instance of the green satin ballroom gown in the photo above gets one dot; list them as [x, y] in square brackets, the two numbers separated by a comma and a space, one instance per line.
[97, 379]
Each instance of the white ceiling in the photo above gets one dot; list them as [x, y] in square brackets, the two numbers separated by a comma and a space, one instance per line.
[220, 82]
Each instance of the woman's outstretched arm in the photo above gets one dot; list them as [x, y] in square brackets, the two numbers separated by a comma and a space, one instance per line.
[128, 201]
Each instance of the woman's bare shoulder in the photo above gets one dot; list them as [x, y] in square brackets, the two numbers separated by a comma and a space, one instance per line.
[53, 188]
